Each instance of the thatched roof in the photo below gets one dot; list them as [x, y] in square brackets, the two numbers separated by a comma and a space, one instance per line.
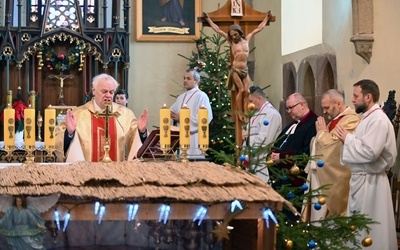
[200, 182]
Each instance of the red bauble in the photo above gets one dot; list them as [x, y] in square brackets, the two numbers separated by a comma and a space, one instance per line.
[209, 92]
[47, 58]
[61, 56]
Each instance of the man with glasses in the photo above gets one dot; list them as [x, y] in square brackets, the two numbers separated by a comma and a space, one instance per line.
[295, 138]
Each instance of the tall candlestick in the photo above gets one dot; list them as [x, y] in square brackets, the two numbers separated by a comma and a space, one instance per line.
[202, 116]
[9, 97]
[9, 126]
[184, 128]
[29, 127]
[32, 99]
[165, 128]
[49, 127]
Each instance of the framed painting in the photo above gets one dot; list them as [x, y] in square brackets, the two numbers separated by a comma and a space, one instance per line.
[168, 20]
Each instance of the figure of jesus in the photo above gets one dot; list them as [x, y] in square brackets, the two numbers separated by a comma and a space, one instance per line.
[238, 80]
[61, 78]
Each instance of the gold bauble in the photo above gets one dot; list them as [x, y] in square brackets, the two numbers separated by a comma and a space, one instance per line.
[321, 200]
[288, 244]
[251, 106]
[367, 241]
[352, 228]
[269, 161]
[295, 170]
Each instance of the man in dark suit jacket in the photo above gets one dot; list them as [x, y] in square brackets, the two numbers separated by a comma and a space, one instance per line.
[296, 137]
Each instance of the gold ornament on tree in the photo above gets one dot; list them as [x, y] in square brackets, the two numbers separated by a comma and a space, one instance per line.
[367, 241]
[288, 244]
[321, 200]
[295, 170]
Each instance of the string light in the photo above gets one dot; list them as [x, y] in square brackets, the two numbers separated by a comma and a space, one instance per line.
[57, 218]
[201, 213]
[96, 207]
[132, 211]
[235, 204]
[268, 214]
[102, 212]
[66, 220]
[164, 213]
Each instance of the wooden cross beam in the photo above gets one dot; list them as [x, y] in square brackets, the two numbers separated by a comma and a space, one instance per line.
[248, 22]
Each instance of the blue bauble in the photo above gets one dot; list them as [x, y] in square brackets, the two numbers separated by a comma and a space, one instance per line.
[284, 177]
[304, 187]
[290, 195]
[320, 163]
[242, 158]
[311, 244]
[317, 206]
[266, 122]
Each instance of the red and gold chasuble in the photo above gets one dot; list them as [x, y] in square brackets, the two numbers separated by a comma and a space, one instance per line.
[98, 138]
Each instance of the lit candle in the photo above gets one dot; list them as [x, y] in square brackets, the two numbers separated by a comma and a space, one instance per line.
[49, 127]
[9, 126]
[9, 97]
[32, 99]
[29, 127]
[184, 128]
[202, 116]
[165, 127]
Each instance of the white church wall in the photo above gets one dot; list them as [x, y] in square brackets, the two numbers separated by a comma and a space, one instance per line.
[156, 69]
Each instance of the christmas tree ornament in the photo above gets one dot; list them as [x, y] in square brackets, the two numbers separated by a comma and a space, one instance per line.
[317, 206]
[295, 170]
[311, 244]
[266, 122]
[367, 241]
[251, 106]
[304, 187]
[320, 163]
[352, 228]
[290, 195]
[269, 162]
[288, 244]
[242, 158]
[322, 200]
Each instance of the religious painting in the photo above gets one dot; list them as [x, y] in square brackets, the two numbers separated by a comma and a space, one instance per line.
[168, 20]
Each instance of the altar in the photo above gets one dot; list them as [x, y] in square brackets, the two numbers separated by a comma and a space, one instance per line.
[182, 188]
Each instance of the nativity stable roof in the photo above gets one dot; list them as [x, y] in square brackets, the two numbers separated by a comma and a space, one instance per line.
[193, 182]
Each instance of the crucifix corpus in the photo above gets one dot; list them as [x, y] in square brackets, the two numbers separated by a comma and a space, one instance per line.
[61, 77]
[106, 115]
[234, 29]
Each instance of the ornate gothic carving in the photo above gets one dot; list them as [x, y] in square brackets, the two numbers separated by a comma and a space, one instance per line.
[363, 22]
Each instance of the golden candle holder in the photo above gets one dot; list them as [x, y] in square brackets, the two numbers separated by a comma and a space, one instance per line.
[39, 123]
[184, 148]
[30, 158]
[9, 149]
[165, 148]
[50, 157]
[106, 158]
[204, 148]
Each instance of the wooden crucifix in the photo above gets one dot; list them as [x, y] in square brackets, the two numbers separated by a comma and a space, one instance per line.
[107, 114]
[61, 77]
[238, 23]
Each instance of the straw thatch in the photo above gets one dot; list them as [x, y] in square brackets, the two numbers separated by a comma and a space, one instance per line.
[200, 182]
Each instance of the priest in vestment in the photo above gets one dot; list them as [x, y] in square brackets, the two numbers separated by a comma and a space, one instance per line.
[369, 152]
[326, 147]
[194, 99]
[81, 135]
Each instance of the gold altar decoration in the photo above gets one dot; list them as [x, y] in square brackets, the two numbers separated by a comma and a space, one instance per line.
[203, 133]
[184, 131]
[29, 134]
[165, 129]
[49, 130]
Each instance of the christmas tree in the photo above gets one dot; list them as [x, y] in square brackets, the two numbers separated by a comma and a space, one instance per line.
[211, 59]
[334, 232]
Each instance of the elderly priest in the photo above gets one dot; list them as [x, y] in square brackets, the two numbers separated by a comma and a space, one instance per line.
[81, 136]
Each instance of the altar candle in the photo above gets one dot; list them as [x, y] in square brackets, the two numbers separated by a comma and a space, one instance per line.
[9, 126]
[202, 117]
[32, 99]
[29, 127]
[49, 127]
[165, 127]
[184, 128]
[9, 97]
